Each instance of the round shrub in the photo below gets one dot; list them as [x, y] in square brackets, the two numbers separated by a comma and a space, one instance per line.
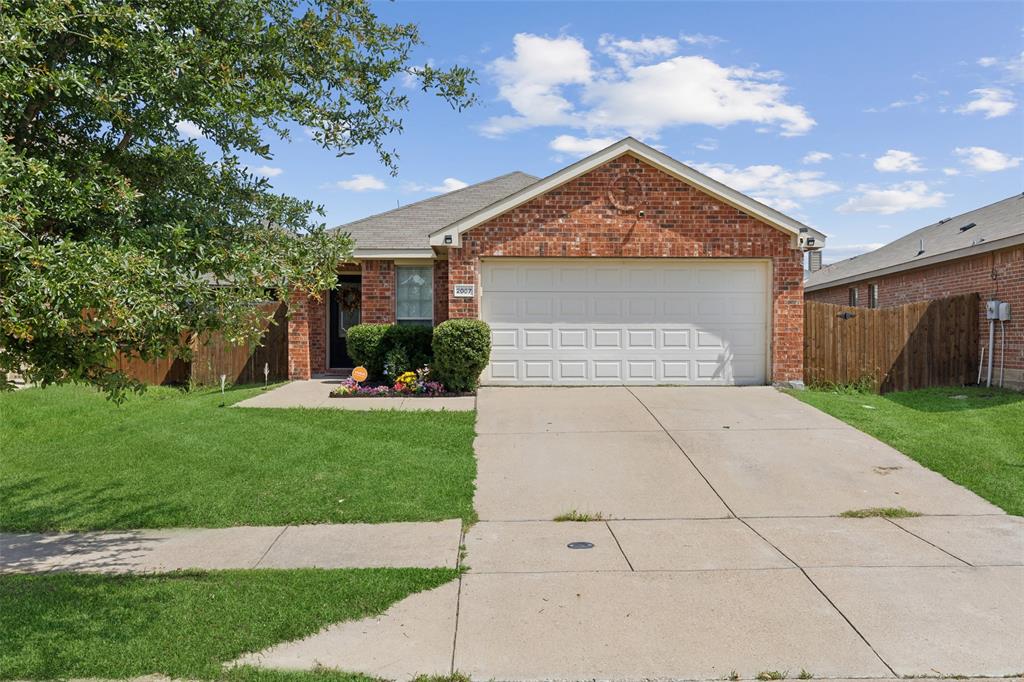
[461, 351]
[407, 345]
[364, 345]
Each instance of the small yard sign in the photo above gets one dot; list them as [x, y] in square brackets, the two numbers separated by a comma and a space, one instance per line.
[359, 374]
[465, 290]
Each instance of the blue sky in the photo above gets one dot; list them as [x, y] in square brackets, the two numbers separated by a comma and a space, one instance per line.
[864, 120]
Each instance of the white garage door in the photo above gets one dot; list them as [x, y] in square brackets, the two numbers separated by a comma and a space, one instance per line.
[641, 321]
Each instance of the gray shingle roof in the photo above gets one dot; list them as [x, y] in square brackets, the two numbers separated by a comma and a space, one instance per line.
[409, 227]
[1001, 220]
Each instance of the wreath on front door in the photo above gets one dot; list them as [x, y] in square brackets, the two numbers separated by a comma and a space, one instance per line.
[350, 300]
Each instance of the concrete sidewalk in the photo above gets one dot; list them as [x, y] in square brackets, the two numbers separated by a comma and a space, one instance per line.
[315, 393]
[356, 545]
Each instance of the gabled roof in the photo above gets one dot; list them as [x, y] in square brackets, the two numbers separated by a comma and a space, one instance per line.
[645, 153]
[407, 228]
[988, 228]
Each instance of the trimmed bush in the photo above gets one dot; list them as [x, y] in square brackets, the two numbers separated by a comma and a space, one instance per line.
[407, 347]
[364, 345]
[461, 351]
[374, 346]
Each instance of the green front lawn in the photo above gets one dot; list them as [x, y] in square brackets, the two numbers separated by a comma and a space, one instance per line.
[972, 436]
[185, 625]
[72, 460]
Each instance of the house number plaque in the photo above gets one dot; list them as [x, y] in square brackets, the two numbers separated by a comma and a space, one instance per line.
[465, 290]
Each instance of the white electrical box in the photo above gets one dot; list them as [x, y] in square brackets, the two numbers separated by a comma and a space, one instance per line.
[992, 310]
[1004, 311]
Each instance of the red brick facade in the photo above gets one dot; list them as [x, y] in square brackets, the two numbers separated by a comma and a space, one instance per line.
[995, 275]
[378, 292]
[307, 335]
[578, 220]
[440, 291]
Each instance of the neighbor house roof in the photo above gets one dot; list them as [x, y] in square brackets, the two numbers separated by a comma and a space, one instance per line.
[988, 228]
[408, 228]
[645, 153]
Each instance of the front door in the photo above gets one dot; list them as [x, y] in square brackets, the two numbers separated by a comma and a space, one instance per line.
[346, 301]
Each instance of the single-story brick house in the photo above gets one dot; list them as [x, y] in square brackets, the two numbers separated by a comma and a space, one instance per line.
[625, 267]
[981, 251]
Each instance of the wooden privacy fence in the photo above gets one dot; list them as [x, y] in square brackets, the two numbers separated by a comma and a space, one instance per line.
[212, 356]
[931, 343]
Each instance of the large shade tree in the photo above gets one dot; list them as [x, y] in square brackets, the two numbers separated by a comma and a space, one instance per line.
[115, 230]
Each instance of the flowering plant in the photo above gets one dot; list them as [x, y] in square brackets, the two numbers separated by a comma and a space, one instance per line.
[407, 383]
[352, 387]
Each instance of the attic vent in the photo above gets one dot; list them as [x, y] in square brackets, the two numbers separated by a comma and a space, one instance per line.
[977, 241]
[920, 247]
[967, 227]
[944, 221]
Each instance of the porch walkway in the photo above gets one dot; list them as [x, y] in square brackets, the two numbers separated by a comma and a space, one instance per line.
[351, 545]
[316, 393]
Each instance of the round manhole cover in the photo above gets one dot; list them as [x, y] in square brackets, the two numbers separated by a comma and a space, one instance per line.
[580, 545]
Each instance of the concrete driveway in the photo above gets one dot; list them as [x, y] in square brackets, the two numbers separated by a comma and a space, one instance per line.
[721, 551]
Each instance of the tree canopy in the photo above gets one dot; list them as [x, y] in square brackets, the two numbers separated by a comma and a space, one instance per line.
[116, 230]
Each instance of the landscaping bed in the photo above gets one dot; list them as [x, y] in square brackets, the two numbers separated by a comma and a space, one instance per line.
[408, 385]
[971, 435]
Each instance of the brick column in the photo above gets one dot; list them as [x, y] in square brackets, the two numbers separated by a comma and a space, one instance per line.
[298, 336]
[440, 291]
[788, 318]
[378, 291]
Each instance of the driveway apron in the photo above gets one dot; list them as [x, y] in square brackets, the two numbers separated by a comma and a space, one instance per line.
[704, 541]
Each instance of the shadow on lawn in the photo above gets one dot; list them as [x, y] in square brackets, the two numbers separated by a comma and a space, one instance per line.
[946, 400]
[38, 505]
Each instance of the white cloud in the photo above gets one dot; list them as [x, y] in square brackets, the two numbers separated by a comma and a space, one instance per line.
[449, 185]
[189, 129]
[898, 104]
[555, 82]
[1013, 67]
[770, 184]
[904, 196]
[950, 171]
[532, 82]
[832, 253]
[816, 157]
[266, 171]
[898, 161]
[627, 52]
[361, 183]
[993, 102]
[701, 39]
[708, 144]
[580, 146]
[986, 160]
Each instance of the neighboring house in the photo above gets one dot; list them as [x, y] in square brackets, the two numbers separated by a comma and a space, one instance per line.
[625, 267]
[981, 251]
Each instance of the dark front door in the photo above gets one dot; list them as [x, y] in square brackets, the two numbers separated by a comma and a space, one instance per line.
[346, 300]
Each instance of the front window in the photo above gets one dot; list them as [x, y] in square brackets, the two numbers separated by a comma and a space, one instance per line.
[414, 297]
[872, 295]
[854, 296]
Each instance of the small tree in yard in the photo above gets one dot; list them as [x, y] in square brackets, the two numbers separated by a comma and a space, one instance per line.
[115, 230]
